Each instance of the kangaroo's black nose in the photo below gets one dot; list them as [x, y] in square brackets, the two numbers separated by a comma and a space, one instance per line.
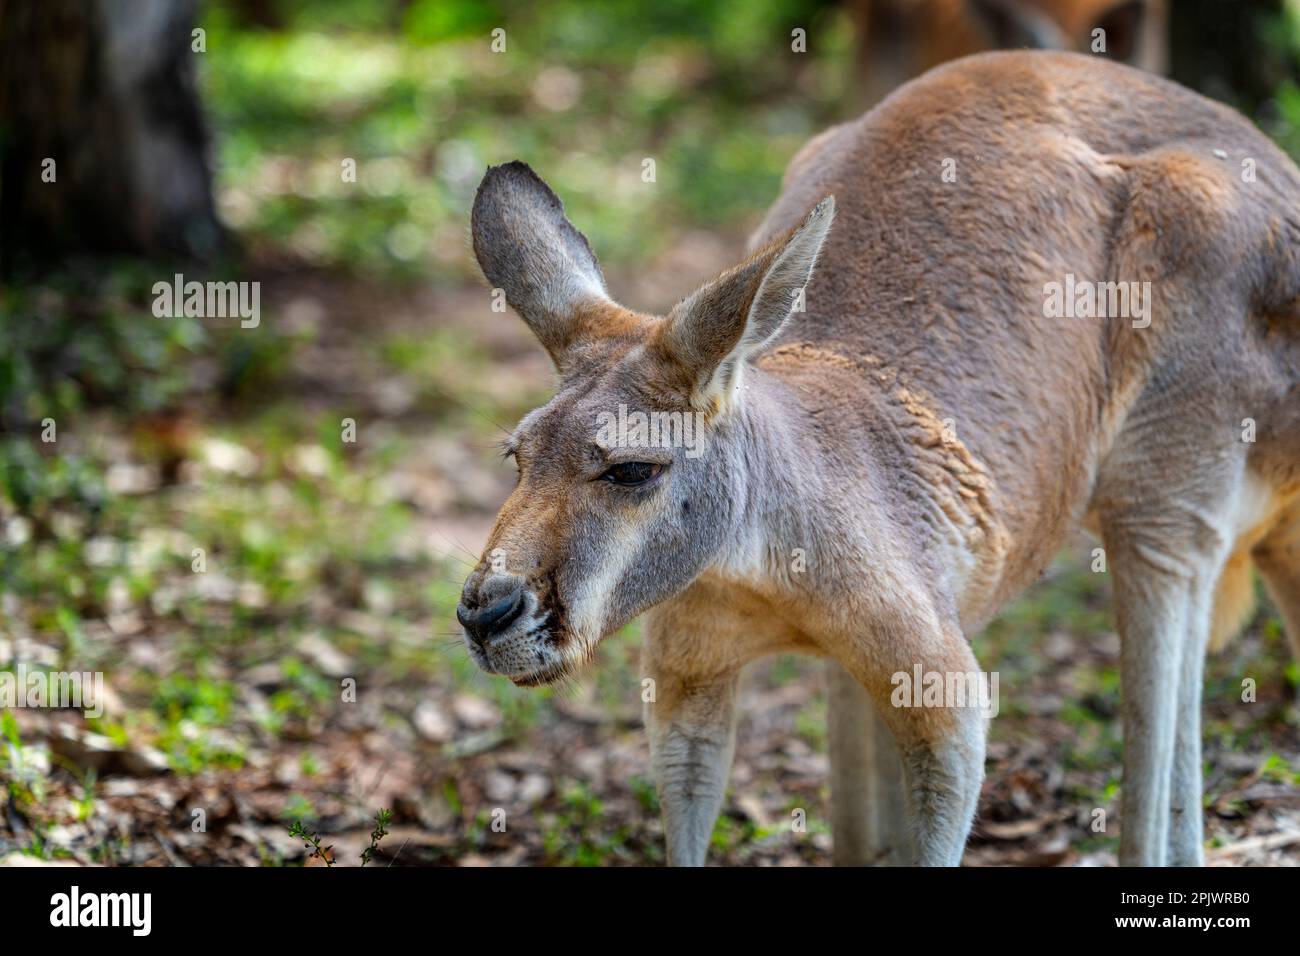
[486, 622]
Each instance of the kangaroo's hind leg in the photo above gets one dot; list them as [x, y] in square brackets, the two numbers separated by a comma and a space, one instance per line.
[868, 818]
[1166, 507]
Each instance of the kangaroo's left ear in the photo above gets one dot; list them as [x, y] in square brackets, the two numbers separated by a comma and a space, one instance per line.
[708, 336]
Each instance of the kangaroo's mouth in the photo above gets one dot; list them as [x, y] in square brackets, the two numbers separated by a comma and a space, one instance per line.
[551, 674]
[534, 651]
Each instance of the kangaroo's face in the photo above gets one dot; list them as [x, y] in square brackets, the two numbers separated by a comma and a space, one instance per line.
[606, 520]
[629, 478]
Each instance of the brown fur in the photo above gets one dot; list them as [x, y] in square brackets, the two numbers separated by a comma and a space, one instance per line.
[1097, 190]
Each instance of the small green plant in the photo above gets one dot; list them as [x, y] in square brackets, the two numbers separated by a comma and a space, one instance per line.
[1277, 770]
[20, 769]
[646, 795]
[312, 842]
[382, 819]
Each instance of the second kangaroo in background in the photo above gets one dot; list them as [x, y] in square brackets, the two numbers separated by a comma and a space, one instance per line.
[885, 470]
[901, 39]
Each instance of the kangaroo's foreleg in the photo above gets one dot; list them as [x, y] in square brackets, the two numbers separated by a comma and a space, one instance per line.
[692, 738]
[942, 775]
[690, 720]
[694, 649]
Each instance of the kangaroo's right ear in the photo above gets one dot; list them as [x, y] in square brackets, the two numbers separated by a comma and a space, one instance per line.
[709, 335]
[526, 247]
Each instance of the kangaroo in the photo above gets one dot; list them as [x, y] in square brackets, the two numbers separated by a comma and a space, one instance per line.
[896, 41]
[900, 426]
[900, 39]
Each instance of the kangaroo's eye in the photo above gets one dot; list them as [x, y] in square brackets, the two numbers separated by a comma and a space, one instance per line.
[631, 472]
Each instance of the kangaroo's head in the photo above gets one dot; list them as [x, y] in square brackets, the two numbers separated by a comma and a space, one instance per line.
[631, 479]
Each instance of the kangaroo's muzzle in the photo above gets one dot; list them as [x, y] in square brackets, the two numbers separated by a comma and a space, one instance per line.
[485, 620]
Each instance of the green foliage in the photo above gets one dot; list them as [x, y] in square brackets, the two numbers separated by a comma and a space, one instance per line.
[712, 93]
[193, 711]
[78, 339]
[578, 835]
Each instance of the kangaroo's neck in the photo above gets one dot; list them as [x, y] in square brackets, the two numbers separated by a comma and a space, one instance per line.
[782, 477]
[835, 454]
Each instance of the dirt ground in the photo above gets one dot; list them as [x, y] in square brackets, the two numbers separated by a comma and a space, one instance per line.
[451, 751]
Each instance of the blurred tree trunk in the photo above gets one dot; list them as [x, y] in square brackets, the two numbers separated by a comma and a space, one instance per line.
[105, 89]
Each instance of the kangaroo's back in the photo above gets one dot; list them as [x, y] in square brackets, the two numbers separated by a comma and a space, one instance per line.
[972, 191]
